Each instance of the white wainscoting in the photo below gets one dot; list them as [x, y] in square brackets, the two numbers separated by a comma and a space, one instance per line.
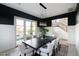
[7, 37]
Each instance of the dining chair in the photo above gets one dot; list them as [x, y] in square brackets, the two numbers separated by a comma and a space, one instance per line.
[57, 46]
[47, 51]
[25, 50]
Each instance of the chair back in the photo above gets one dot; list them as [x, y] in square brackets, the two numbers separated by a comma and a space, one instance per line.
[22, 47]
[49, 47]
[53, 42]
[56, 42]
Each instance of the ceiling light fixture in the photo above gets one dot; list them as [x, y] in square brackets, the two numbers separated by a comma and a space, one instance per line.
[42, 6]
[42, 10]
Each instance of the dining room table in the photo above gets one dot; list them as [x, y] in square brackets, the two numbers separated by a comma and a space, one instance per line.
[36, 43]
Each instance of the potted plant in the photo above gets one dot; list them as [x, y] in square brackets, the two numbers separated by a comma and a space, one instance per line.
[43, 31]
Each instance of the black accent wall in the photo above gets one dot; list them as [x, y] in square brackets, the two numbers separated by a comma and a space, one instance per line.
[6, 20]
[7, 15]
[48, 23]
[71, 17]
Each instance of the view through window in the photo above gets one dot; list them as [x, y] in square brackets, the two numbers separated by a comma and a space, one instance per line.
[25, 29]
[19, 29]
[62, 23]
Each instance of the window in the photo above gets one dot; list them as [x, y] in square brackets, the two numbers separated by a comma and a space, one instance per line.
[28, 30]
[34, 26]
[25, 29]
[62, 23]
[19, 29]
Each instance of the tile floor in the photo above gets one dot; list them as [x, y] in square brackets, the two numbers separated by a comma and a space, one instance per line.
[72, 50]
[16, 52]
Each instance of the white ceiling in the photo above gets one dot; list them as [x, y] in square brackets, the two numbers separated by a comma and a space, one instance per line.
[35, 9]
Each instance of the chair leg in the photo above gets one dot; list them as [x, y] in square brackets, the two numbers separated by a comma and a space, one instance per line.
[20, 55]
[48, 54]
[54, 53]
[33, 52]
[59, 47]
[24, 54]
[39, 52]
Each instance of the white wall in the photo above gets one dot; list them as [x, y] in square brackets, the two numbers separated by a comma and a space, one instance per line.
[77, 37]
[71, 34]
[77, 33]
[7, 37]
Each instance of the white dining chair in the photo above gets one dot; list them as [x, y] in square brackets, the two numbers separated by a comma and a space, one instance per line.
[25, 50]
[57, 46]
[48, 50]
[56, 42]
